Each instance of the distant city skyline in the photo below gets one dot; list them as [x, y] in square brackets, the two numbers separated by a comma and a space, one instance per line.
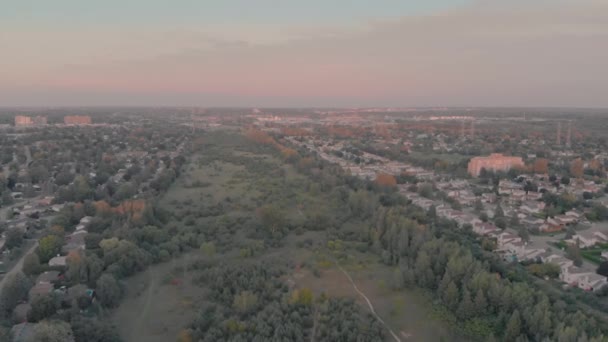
[268, 53]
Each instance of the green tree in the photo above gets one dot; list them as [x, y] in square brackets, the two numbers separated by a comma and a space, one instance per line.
[478, 206]
[523, 234]
[52, 331]
[15, 289]
[31, 264]
[49, 246]
[450, 297]
[43, 307]
[14, 238]
[466, 309]
[573, 252]
[108, 290]
[481, 304]
[498, 213]
[245, 301]
[513, 328]
[208, 248]
[272, 218]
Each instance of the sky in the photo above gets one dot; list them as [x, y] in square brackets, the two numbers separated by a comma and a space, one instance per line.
[314, 53]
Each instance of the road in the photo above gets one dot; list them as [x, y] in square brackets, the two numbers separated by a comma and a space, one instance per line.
[18, 266]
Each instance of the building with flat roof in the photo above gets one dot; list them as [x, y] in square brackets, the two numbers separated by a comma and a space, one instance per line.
[22, 120]
[494, 162]
[77, 120]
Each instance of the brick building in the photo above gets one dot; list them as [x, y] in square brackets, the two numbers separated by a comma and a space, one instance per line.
[77, 120]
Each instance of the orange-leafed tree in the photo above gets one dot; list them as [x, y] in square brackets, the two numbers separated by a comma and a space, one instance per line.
[541, 165]
[385, 179]
[577, 168]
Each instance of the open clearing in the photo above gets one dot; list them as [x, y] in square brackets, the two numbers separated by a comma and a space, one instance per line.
[158, 304]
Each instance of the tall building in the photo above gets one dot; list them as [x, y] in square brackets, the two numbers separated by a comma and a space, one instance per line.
[494, 162]
[77, 120]
[21, 120]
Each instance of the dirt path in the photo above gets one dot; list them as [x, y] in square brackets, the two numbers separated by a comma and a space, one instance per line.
[369, 303]
[143, 315]
[314, 325]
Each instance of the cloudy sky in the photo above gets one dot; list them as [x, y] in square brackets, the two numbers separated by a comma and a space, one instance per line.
[304, 53]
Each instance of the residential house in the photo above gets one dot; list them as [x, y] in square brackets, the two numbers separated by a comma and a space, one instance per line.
[75, 242]
[562, 262]
[48, 277]
[58, 261]
[484, 228]
[592, 282]
[587, 238]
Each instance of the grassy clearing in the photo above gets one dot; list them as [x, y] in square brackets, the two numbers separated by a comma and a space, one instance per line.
[158, 304]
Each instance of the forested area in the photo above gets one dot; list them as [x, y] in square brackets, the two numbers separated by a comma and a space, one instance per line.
[251, 303]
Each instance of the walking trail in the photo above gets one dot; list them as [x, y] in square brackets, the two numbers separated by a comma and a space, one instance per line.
[369, 303]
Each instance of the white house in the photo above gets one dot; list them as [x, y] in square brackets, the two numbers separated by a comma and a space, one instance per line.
[58, 261]
[589, 238]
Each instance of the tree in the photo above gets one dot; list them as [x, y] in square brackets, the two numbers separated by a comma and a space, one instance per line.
[43, 307]
[541, 165]
[500, 222]
[14, 238]
[603, 269]
[208, 248]
[38, 174]
[573, 253]
[565, 180]
[52, 331]
[523, 233]
[432, 212]
[49, 246]
[466, 309]
[514, 221]
[272, 218]
[384, 179]
[450, 297]
[478, 205]
[544, 270]
[426, 190]
[15, 289]
[484, 217]
[92, 329]
[498, 213]
[245, 301]
[513, 328]
[480, 303]
[577, 168]
[31, 264]
[108, 290]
